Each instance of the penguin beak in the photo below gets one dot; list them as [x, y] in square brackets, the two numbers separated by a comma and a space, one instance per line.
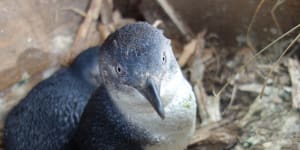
[151, 93]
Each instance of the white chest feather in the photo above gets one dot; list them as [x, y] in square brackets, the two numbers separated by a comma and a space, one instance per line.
[177, 128]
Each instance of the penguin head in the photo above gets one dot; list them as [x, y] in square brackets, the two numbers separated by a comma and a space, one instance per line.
[139, 57]
[86, 66]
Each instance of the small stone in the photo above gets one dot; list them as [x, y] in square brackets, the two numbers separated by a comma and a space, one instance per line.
[267, 144]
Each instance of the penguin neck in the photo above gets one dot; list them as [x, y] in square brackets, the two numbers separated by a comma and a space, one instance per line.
[81, 74]
[179, 104]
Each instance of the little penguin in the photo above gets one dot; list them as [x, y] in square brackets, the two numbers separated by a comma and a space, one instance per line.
[144, 101]
[47, 117]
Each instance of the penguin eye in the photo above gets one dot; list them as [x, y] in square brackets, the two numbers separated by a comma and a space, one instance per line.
[119, 69]
[164, 59]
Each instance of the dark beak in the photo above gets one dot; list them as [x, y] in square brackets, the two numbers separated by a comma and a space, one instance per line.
[151, 93]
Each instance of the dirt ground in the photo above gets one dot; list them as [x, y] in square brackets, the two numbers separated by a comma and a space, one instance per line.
[241, 58]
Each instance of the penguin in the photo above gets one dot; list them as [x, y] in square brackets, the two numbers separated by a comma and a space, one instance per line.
[47, 117]
[144, 101]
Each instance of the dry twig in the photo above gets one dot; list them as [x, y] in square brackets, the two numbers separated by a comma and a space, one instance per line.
[208, 106]
[257, 54]
[188, 51]
[277, 4]
[107, 12]
[183, 28]
[214, 131]
[256, 106]
[92, 15]
[76, 10]
[294, 67]
[192, 47]
[157, 23]
[251, 24]
[278, 61]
